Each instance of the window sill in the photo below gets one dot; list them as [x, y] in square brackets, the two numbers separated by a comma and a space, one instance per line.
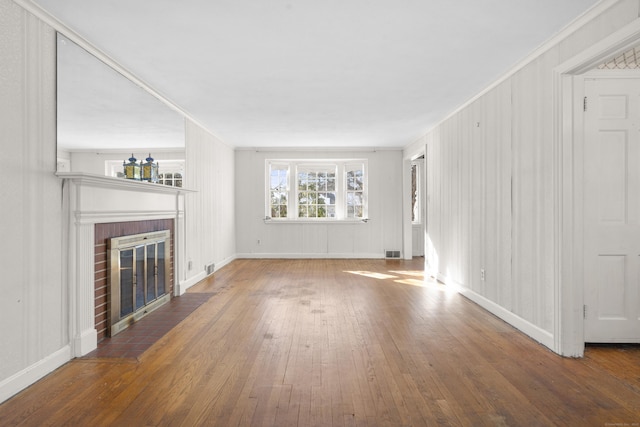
[316, 221]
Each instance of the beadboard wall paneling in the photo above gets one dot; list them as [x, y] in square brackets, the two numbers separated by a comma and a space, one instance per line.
[33, 307]
[209, 213]
[258, 239]
[491, 187]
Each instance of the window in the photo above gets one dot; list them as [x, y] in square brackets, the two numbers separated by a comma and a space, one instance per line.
[278, 190]
[173, 179]
[316, 190]
[355, 191]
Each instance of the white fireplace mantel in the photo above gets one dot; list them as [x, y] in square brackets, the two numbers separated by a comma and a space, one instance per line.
[91, 199]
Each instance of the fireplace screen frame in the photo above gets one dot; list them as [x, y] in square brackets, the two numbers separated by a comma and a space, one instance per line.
[150, 293]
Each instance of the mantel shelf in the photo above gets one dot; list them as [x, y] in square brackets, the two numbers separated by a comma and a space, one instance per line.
[94, 180]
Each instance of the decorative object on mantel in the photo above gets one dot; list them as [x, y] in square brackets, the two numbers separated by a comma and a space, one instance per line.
[132, 169]
[149, 170]
[143, 171]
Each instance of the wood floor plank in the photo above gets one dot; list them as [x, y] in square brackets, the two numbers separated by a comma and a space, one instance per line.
[337, 343]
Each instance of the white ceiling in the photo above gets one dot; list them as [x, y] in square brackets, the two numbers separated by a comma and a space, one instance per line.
[330, 73]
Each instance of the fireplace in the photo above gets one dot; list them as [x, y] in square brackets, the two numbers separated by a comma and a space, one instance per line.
[139, 276]
[98, 208]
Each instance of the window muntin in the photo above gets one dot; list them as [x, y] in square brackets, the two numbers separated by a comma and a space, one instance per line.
[316, 190]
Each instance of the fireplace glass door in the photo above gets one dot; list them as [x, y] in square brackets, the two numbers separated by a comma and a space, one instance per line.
[139, 271]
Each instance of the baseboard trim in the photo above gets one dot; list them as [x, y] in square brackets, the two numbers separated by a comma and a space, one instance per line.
[309, 256]
[186, 284]
[534, 332]
[85, 342]
[224, 262]
[543, 337]
[23, 379]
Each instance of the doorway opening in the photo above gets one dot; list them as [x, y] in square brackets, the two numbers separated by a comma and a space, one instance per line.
[414, 204]
[418, 206]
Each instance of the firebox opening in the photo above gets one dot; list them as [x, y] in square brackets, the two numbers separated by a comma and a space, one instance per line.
[139, 268]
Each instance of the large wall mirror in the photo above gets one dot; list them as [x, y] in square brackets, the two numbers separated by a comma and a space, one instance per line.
[103, 118]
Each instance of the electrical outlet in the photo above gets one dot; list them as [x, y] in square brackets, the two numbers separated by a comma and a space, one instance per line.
[259, 241]
[482, 276]
[190, 265]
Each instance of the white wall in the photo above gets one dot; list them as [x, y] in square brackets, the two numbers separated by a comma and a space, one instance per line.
[323, 240]
[210, 213]
[493, 198]
[33, 307]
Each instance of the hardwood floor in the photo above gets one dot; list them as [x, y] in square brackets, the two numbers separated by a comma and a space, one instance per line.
[337, 343]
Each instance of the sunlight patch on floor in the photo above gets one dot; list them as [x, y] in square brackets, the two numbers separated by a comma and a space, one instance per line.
[406, 277]
[415, 273]
[412, 282]
[373, 275]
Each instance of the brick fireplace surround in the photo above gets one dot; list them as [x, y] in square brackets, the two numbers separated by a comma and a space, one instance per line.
[105, 231]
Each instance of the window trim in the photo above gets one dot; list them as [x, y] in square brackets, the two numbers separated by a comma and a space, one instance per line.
[292, 190]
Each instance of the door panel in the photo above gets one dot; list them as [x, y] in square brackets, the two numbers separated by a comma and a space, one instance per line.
[612, 176]
[611, 200]
[611, 287]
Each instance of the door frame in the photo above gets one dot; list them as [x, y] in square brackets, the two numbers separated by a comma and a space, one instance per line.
[568, 83]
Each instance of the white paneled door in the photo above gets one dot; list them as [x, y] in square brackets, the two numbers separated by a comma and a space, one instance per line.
[612, 210]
